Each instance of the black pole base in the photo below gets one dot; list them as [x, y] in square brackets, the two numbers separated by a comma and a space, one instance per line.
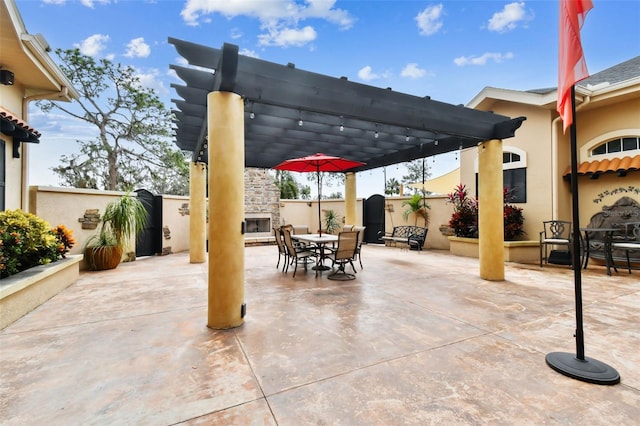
[588, 370]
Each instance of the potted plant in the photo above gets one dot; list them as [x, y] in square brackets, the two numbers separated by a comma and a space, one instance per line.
[331, 223]
[123, 220]
[419, 207]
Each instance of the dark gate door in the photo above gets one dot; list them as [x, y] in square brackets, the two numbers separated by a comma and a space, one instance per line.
[149, 242]
[373, 218]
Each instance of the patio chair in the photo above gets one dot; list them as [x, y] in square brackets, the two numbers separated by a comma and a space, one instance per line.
[296, 254]
[344, 254]
[360, 231]
[282, 250]
[631, 242]
[554, 233]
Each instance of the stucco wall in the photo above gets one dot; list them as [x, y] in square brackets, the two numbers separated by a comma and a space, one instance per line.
[174, 218]
[597, 123]
[303, 212]
[534, 138]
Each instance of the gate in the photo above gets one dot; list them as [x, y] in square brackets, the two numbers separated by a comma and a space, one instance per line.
[149, 242]
[373, 218]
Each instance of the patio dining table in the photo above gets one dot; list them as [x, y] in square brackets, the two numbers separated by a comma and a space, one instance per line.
[320, 241]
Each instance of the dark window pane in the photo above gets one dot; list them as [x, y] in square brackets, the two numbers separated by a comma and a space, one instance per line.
[506, 157]
[516, 181]
[614, 146]
[514, 158]
[602, 149]
[629, 144]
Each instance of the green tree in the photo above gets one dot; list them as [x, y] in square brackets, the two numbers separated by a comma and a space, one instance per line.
[305, 192]
[417, 171]
[132, 147]
[417, 206]
[393, 187]
[287, 184]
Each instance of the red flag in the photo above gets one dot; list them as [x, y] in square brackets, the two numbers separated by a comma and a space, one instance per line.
[571, 64]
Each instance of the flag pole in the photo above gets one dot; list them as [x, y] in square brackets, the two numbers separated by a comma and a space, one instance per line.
[579, 366]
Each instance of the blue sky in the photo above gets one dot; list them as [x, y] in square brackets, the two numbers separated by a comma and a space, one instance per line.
[449, 50]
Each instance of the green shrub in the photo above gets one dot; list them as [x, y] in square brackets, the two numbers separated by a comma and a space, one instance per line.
[27, 241]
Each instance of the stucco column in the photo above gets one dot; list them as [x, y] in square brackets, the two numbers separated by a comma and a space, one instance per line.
[226, 209]
[350, 216]
[490, 220]
[197, 213]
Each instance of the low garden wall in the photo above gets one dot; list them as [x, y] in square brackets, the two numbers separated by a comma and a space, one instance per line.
[23, 292]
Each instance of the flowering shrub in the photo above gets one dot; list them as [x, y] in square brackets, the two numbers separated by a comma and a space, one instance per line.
[513, 218]
[27, 240]
[65, 239]
[464, 220]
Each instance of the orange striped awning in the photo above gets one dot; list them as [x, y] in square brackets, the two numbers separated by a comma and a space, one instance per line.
[614, 165]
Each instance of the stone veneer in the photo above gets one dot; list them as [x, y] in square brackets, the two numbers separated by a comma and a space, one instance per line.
[261, 196]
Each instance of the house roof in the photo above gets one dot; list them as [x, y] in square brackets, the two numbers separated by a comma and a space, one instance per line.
[27, 56]
[622, 79]
[618, 73]
[619, 165]
[292, 113]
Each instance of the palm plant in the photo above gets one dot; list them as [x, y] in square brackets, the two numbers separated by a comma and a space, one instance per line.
[419, 207]
[123, 219]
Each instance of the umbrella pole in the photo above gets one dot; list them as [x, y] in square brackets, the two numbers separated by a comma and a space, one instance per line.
[319, 198]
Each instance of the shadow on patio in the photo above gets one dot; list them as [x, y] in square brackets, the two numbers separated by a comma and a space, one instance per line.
[417, 338]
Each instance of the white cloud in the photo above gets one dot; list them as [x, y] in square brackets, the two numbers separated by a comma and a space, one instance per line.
[367, 74]
[279, 19]
[250, 53]
[430, 19]
[482, 60]
[288, 37]
[151, 79]
[93, 45]
[91, 3]
[137, 48]
[236, 33]
[509, 18]
[54, 1]
[413, 71]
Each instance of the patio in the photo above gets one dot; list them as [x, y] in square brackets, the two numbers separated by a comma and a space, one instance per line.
[417, 338]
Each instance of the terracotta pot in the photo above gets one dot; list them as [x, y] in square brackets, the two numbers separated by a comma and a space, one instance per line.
[104, 257]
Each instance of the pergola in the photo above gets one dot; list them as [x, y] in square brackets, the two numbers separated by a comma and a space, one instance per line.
[237, 111]
[291, 113]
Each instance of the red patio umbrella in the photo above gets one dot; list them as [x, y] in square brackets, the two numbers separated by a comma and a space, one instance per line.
[318, 163]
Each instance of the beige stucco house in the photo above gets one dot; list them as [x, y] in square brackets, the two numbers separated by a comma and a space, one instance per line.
[537, 159]
[27, 73]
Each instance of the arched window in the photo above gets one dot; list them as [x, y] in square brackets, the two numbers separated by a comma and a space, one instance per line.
[514, 172]
[617, 145]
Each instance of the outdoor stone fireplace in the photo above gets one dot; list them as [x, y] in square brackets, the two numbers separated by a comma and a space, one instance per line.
[261, 203]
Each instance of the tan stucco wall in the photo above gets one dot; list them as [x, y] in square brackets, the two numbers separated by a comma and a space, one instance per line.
[178, 223]
[305, 212]
[299, 212]
[64, 206]
[595, 124]
[11, 99]
[534, 138]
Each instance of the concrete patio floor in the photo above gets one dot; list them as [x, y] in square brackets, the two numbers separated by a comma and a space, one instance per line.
[416, 338]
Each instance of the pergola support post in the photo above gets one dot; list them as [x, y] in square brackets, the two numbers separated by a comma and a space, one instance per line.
[225, 112]
[197, 212]
[490, 212]
[350, 216]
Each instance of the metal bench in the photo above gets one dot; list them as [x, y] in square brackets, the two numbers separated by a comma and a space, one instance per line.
[412, 236]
